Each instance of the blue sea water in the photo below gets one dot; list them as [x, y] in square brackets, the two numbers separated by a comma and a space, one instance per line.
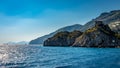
[28, 56]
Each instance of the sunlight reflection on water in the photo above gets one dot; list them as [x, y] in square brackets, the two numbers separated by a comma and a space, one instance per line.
[15, 56]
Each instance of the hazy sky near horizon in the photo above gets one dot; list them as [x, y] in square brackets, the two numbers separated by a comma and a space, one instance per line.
[24, 20]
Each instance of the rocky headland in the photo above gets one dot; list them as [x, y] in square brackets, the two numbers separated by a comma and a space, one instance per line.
[98, 36]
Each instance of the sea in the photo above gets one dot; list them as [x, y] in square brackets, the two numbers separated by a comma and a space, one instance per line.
[37, 56]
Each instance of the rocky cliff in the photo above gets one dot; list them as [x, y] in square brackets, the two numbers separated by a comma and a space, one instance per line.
[98, 36]
[62, 39]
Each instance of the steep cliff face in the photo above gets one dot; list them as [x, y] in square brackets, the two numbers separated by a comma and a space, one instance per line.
[98, 36]
[62, 39]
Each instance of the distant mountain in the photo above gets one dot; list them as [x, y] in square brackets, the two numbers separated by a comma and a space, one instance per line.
[107, 18]
[22, 43]
[17, 43]
[71, 28]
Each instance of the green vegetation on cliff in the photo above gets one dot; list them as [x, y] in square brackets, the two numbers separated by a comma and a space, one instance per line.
[101, 27]
[90, 30]
[117, 35]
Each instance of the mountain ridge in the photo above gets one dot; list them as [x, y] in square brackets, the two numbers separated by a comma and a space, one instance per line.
[40, 40]
[106, 17]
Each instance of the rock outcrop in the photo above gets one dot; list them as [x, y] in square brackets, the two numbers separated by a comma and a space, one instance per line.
[62, 39]
[98, 36]
[115, 26]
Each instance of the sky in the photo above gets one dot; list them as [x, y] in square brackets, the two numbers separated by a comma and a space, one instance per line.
[24, 20]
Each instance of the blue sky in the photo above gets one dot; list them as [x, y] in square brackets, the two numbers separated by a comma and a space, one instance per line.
[24, 20]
